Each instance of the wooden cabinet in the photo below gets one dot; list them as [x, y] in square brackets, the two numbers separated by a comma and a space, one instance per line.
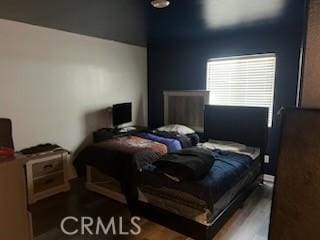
[15, 221]
[311, 70]
[296, 201]
[47, 175]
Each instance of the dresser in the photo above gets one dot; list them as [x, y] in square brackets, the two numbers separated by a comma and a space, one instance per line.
[311, 72]
[15, 221]
[295, 211]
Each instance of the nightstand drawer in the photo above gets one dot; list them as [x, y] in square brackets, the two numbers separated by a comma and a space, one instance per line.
[48, 182]
[47, 167]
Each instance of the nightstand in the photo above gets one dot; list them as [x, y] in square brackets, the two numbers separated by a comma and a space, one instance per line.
[46, 175]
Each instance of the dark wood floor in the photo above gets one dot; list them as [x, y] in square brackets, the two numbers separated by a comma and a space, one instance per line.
[248, 223]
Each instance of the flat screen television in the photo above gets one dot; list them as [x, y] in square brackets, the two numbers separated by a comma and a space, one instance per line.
[121, 113]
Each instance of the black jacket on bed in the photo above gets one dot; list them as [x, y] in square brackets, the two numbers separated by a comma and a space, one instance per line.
[187, 164]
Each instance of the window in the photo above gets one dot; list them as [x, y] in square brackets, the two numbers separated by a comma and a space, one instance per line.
[242, 81]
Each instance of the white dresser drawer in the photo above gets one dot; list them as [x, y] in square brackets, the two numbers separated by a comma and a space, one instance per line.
[50, 166]
[48, 182]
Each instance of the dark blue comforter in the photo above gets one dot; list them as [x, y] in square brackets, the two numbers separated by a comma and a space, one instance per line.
[228, 169]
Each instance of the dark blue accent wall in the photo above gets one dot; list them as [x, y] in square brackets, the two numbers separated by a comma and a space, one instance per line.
[119, 20]
[177, 61]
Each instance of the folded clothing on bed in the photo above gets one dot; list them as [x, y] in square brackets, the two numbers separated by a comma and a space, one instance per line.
[187, 164]
[171, 143]
[186, 140]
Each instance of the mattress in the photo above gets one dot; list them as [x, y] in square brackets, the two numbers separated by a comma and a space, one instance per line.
[202, 200]
[113, 155]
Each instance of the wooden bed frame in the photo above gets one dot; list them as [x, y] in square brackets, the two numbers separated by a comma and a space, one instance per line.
[98, 182]
[192, 228]
[175, 222]
[246, 125]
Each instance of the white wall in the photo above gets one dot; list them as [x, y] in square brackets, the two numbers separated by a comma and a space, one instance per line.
[54, 84]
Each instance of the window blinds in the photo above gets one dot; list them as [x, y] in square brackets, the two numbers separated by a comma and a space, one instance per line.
[242, 81]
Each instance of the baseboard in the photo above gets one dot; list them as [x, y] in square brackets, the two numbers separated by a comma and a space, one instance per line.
[268, 178]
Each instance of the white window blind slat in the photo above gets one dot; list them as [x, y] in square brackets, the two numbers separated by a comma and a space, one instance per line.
[243, 81]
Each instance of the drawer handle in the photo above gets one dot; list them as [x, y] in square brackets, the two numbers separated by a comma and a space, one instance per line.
[49, 166]
[48, 181]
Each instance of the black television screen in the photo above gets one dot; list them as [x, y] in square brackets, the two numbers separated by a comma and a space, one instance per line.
[122, 113]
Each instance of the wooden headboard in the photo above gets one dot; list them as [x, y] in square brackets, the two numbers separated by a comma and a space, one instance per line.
[185, 107]
[246, 125]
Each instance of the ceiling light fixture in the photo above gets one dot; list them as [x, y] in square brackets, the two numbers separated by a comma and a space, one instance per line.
[160, 3]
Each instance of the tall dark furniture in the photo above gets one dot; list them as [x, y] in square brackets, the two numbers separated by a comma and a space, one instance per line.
[296, 202]
[310, 92]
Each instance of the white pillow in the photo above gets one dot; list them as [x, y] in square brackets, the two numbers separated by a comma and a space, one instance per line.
[176, 128]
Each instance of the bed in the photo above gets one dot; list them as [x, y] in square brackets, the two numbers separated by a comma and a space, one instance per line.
[199, 208]
[106, 165]
[196, 209]
[110, 167]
